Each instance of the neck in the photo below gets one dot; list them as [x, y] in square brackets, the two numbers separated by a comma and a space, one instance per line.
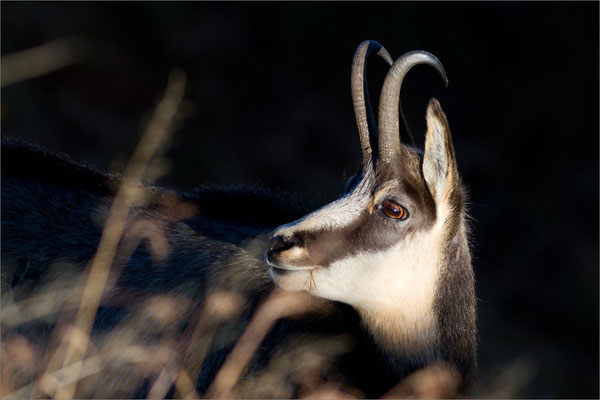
[455, 309]
[404, 339]
[437, 328]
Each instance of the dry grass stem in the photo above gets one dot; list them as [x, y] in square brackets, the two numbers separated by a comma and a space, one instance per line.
[41, 60]
[511, 378]
[162, 384]
[48, 383]
[333, 392]
[127, 194]
[436, 381]
[39, 306]
[278, 305]
[184, 385]
[218, 307]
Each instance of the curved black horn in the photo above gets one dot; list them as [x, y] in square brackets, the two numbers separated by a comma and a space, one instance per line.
[389, 134]
[360, 92]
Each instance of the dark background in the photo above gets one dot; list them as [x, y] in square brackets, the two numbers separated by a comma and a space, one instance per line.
[269, 101]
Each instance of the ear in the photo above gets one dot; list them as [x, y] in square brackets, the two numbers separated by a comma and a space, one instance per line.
[439, 162]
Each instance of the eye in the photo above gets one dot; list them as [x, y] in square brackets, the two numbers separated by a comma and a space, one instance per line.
[394, 210]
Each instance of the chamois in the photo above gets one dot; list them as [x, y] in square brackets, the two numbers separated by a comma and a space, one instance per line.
[389, 258]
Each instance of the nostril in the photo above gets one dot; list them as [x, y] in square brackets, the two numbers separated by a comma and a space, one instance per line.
[280, 243]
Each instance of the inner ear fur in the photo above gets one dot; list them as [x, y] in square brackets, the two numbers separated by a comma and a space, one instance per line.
[439, 161]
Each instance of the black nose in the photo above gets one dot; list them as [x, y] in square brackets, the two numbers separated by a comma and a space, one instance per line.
[279, 244]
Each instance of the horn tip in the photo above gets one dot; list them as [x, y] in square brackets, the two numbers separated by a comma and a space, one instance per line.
[383, 53]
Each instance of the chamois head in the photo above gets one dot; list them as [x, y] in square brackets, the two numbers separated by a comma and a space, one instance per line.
[383, 246]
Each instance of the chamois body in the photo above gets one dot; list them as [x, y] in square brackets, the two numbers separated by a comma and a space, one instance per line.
[390, 258]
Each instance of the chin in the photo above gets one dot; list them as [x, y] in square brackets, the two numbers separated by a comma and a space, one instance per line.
[290, 279]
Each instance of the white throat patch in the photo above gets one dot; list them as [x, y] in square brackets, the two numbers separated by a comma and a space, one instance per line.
[393, 289]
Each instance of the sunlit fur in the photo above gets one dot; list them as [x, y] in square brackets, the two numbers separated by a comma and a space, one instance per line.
[404, 290]
[400, 290]
[337, 214]
[398, 282]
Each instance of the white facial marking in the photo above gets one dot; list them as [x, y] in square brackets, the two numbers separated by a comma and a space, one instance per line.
[337, 214]
[393, 289]
[402, 276]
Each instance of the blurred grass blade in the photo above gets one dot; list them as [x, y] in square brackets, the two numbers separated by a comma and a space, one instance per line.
[129, 192]
[41, 60]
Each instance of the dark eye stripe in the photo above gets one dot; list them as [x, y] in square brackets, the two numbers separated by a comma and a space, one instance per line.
[394, 210]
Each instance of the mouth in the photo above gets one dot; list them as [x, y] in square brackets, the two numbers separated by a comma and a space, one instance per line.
[284, 268]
